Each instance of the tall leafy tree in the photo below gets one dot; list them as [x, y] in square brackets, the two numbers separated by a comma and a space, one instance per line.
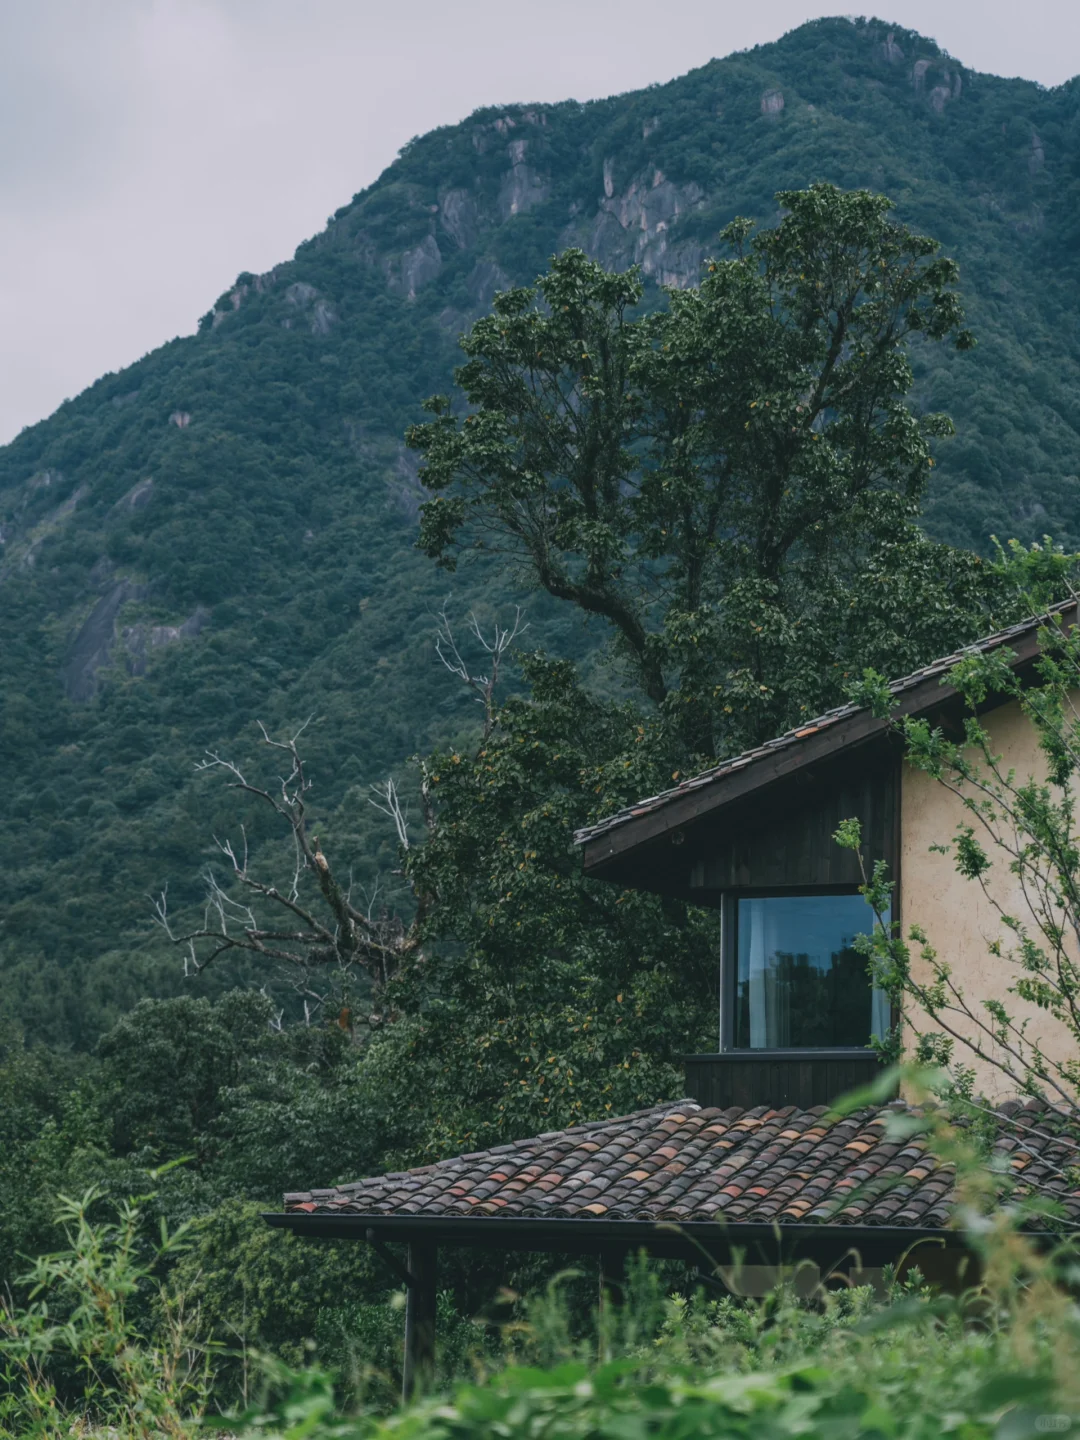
[731, 482]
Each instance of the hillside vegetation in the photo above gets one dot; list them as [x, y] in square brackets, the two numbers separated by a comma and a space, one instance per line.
[225, 531]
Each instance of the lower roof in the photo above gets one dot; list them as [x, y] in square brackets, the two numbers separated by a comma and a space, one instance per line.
[680, 1164]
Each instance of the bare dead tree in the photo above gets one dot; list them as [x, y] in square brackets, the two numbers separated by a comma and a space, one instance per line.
[310, 925]
[496, 649]
[283, 922]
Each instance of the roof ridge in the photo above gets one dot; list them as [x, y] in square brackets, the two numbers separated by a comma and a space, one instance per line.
[587, 1127]
[827, 717]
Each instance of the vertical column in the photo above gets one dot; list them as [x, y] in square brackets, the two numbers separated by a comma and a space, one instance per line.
[612, 1277]
[418, 1371]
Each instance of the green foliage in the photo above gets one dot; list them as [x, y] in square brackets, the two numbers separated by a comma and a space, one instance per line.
[247, 1109]
[282, 516]
[245, 1102]
[258, 1288]
[363, 1343]
[667, 1361]
[51, 1125]
[900, 1396]
[727, 481]
[569, 998]
[242, 1105]
[76, 1354]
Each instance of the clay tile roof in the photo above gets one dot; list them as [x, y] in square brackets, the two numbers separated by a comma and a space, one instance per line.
[680, 1162]
[939, 668]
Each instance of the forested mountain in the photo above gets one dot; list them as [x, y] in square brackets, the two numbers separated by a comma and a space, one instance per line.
[224, 532]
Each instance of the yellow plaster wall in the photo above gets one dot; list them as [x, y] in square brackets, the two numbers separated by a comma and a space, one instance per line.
[959, 921]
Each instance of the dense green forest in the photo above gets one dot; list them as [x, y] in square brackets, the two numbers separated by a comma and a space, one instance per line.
[225, 531]
[767, 499]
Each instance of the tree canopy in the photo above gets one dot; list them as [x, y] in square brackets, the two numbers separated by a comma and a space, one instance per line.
[731, 482]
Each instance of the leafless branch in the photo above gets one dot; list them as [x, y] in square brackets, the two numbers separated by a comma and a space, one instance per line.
[310, 927]
[483, 686]
[388, 801]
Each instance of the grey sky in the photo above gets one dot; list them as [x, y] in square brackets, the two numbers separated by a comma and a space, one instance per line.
[152, 149]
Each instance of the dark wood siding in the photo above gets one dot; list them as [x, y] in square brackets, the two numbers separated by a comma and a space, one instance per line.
[787, 840]
[778, 1077]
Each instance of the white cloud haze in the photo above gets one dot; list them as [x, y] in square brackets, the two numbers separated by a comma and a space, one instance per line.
[153, 149]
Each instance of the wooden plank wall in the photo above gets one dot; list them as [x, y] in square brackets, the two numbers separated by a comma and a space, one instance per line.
[786, 841]
[803, 1079]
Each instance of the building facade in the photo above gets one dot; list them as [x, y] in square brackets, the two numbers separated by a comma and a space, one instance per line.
[754, 838]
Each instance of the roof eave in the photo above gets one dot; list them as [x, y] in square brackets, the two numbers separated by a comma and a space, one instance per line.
[828, 1244]
[688, 804]
[685, 808]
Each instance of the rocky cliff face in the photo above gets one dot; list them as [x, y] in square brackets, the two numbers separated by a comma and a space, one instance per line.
[643, 179]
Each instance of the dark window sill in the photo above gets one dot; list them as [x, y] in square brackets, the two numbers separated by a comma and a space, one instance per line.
[800, 1077]
[838, 1052]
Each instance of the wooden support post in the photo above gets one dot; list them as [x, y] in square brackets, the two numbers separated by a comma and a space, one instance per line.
[612, 1277]
[418, 1371]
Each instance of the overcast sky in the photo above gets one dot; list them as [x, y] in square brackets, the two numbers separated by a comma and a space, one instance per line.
[153, 149]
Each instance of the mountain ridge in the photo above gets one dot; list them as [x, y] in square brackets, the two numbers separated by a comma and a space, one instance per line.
[224, 530]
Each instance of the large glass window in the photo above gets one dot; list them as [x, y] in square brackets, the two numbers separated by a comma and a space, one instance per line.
[799, 981]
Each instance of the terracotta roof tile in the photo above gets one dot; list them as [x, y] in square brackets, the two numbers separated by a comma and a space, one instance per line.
[682, 1162]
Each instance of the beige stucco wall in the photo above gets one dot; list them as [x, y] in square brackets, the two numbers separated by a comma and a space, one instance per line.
[959, 921]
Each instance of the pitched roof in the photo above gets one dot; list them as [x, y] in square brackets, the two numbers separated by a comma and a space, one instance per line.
[682, 1163]
[830, 720]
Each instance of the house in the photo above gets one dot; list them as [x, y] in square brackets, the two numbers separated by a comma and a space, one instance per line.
[749, 1160]
[754, 837]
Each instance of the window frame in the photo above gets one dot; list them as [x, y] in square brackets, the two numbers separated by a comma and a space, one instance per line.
[729, 967]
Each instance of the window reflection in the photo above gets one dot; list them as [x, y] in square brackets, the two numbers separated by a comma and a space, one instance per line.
[799, 980]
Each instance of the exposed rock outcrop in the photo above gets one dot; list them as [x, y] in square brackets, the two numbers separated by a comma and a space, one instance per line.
[406, 493]
[21, 543]
[300, 294]
[522, 188]
[485, 281]
[92, 646]
[138, 497]
[459, 218]
[140, 640]
[947, 83]
[772, 102]
[415, 268]
[246, 285]
[634, 228]
[317, 311]
[323, 316]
